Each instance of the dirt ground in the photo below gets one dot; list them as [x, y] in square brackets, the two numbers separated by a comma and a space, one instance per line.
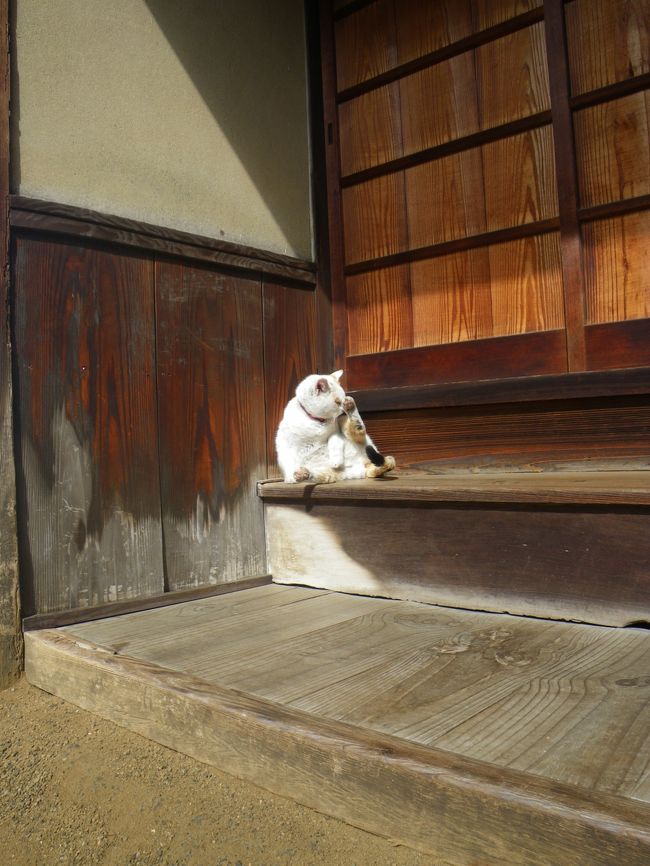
[75, 789]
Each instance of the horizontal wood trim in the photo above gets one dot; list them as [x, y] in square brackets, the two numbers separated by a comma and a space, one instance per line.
[521, 390]
[611, 91]
[467, 142]
[533, 354]
[614, 208]
[552, 488]
[618, 344]
[366, 778]
[70, 221]
[504, 28]
[472, 242]
[351, 8]
[119, 608]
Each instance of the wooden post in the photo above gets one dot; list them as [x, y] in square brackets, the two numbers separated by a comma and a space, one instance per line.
[11, 647]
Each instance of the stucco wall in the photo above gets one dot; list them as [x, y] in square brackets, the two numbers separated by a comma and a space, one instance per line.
[186, 114]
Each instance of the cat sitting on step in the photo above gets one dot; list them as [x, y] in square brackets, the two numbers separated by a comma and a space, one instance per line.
[322, 438]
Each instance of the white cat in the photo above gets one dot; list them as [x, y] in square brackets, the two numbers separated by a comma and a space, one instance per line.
[322, 438]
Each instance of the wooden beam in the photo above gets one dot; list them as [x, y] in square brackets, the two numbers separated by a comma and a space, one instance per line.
[453, 807]
[565, 163]
[10, 634]
[565, 386]
[333, 174]
[71, 221]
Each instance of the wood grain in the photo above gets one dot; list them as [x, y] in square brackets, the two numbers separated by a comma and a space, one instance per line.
[488, 13]
[520, 185]
[367, 778]
[211, 427]
[365, 43]
[439, 103]
[445, 199]
[568, 386]
[539, 488]
[617, 262]
[70, 221]
[374, 218]
[616, 345]
[86, 403]
[585, 432]
[526, 285]
[512, 77]
[379, 310]
[554, 563]
[369, 129]
[424, 27]
[609, 40]
[290, 354]
[613, 150]
[452, 298]
[10, 634]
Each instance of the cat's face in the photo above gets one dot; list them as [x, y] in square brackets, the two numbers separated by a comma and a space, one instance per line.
[322, 396]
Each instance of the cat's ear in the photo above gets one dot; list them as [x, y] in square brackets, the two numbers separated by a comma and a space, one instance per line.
[322, 386]
[337, 375]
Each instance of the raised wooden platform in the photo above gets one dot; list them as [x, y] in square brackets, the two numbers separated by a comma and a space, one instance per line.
[564, 545]
[481, 738]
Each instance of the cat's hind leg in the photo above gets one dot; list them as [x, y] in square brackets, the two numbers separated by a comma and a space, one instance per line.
[374, 471]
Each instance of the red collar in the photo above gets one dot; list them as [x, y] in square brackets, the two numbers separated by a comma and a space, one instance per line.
[313, 417]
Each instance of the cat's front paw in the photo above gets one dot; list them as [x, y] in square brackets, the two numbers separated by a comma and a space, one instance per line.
[327, 477]
[349, 405]
[301, 474]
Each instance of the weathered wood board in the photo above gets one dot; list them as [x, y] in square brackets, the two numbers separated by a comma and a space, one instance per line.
[479, 738]
[88, 485]
[552, 561]
[211, 423]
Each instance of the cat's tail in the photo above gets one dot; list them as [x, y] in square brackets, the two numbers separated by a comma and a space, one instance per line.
[374, 456]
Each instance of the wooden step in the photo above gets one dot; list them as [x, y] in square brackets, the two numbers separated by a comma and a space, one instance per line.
[572, 545]
[479, 738]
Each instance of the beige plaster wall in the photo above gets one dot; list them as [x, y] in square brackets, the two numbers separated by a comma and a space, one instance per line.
[186, 113]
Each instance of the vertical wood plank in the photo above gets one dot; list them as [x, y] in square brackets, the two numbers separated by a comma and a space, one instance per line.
[608, 41]
[439, 103]
[290, 353]
[374, 218]
[487, 13]
[423, 26]
[90, 509]
[365, 43]
[617, 264]
[445, 199]
[570, 241]
[211, 423]
[613, 150]
[369, 129]
[520, 179]
[451, 298]
[10, 632]
[512, 77]
[526, 285]
[379, 310]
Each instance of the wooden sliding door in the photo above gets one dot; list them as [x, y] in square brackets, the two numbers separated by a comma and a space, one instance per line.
[488, 185]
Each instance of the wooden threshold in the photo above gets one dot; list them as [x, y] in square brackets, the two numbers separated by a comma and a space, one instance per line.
[134, 605]
[615, 488]
[474, 737]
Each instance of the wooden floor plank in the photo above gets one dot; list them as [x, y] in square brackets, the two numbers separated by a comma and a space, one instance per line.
[562, 701]
[579, 488]
[461, 811]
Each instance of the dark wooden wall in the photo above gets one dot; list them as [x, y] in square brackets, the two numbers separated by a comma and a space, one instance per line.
[491, 193]
[143, 381]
